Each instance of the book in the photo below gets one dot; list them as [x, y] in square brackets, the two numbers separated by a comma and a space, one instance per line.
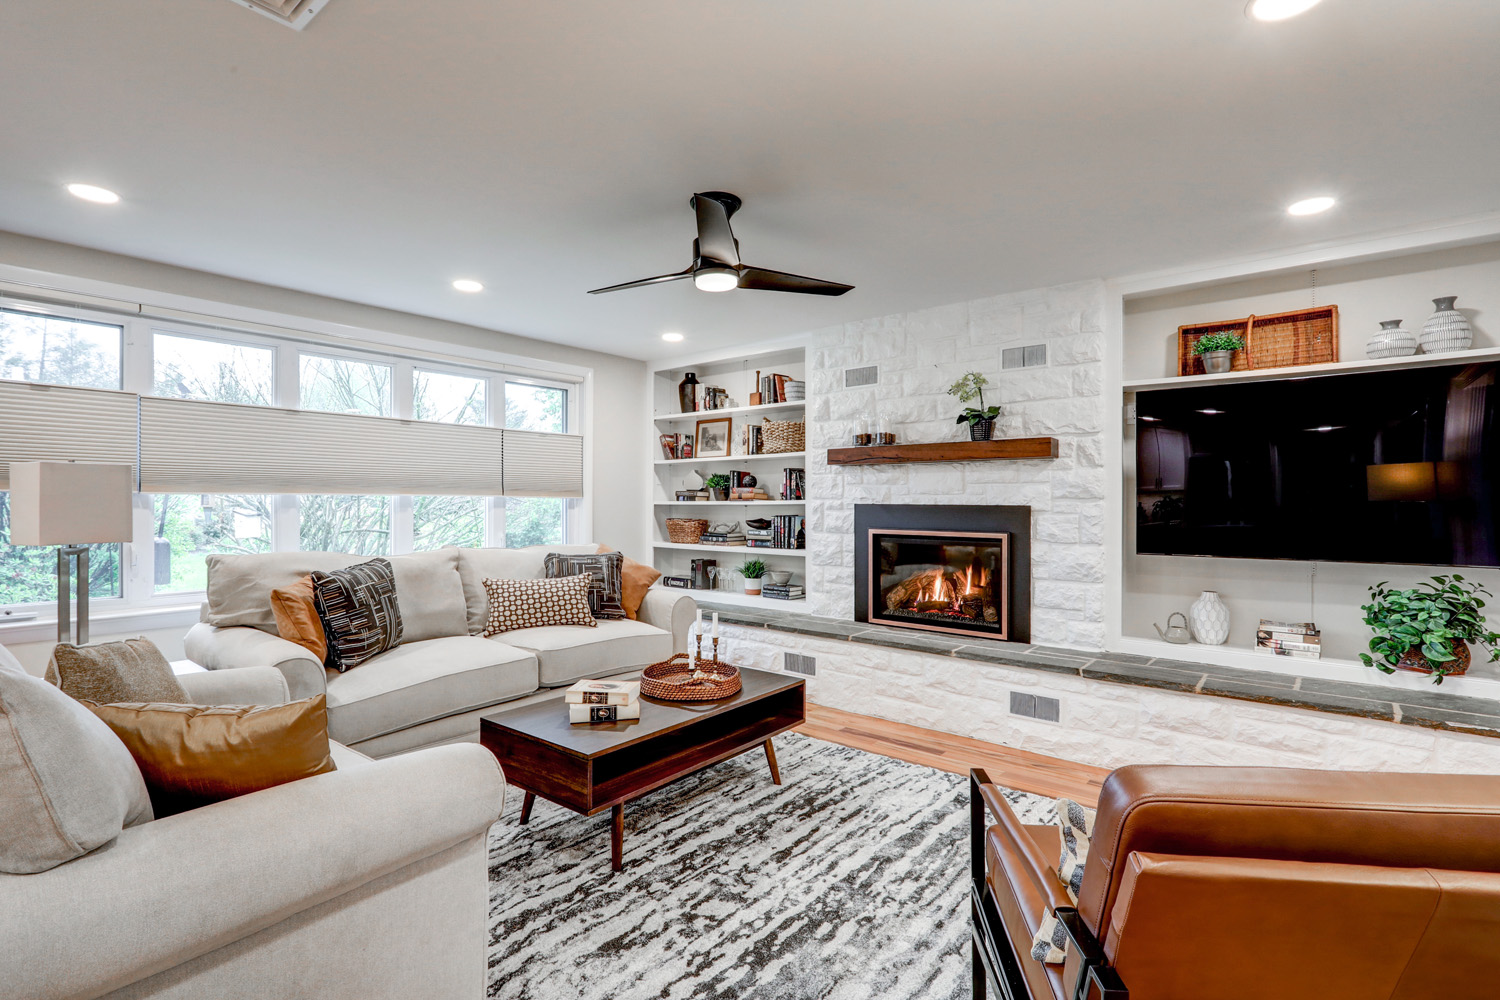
[1264, 637]
[1306, 628]
[603, 693]
[578, 714]
[1294, 653]
[677, 582]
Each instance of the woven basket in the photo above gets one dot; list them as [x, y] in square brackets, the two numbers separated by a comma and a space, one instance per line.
[777, 436]
[670, 680]
[685, 530]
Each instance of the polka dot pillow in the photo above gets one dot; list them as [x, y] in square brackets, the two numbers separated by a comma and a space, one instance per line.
[517, 604]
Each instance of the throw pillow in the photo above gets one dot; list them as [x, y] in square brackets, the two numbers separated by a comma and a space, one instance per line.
[517, 604]
[67, 783]
[191, 755]
[635, 579]
[1077, 823]
[358, 609]
[127, 670]
[603, 573]
[297, 617]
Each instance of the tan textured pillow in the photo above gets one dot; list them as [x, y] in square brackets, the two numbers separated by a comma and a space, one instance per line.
[517, 604]
[635, 579]
[297, 618]
[127, 670]
[191, 755]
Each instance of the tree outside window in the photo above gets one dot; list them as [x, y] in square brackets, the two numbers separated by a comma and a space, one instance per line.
[342, 523]
[189, 527]
[193, 368]
[343, 385]
[448, 399]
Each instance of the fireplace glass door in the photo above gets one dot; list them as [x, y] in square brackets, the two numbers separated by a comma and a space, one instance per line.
[947, 581]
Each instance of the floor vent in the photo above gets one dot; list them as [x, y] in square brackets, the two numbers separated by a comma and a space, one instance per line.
[1035, 706]
[868, 375]
[800, 663]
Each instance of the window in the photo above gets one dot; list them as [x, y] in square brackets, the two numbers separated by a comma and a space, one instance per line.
[187, 527]
[446, 520]
[535, 520]
[530, 407]
[36, 348]
[344, 523]
[343, 385]
[448, 399]
[194, 368]
[28, 573]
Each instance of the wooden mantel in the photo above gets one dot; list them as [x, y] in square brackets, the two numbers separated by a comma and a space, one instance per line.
[946, 451]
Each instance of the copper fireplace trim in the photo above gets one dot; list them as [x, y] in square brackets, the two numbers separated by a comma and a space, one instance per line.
[872, 571]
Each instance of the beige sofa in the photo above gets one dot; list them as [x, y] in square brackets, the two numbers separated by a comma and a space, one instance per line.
[367, 882]
[445, 675]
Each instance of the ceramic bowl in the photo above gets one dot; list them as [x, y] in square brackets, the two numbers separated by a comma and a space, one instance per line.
[778, 577]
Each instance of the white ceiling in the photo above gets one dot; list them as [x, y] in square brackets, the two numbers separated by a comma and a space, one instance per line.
[924, 152]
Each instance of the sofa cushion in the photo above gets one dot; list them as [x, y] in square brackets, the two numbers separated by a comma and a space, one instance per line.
[566, 654]
[359, 611]
[420, 681]
[239, 586]
[477, 565]
[125, 670]
[431, 594]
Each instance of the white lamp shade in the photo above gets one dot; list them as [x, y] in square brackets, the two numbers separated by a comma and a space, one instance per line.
[69, 503]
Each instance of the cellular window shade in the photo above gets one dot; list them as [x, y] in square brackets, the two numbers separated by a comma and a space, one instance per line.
[54, 423]
[188, 446]
[543, 465]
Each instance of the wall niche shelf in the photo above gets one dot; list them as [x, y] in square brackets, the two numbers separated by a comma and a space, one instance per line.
[732, 459]
[1479, 354]
[946, 451]
[730, 411]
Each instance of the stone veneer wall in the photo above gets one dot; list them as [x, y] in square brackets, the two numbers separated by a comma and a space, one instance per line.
[919, 355]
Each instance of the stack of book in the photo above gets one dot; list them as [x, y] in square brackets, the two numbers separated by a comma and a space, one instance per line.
[1299, 639]
[603, 701]
[750, 438]
[733, 537]
[749, 493]
[785, 532]
[693, 496]
[758, 538]
[773, 388]
[783, 591]
[793, 484]
[714, 398]
[678, 582]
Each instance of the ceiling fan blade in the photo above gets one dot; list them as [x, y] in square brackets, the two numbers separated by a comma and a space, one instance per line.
[678, 276]
[715, 238]
[779, 281]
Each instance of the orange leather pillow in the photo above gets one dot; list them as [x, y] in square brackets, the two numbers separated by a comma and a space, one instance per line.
[635, 579]
[191, 755]
[297, 617]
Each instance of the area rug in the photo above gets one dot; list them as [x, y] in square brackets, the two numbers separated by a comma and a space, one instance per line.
[848, 882]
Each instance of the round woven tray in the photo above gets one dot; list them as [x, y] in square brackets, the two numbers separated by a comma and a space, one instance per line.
[671, 681]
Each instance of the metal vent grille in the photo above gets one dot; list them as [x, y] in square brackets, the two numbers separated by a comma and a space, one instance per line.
[292, 13]
[869, 375]
[800, 663]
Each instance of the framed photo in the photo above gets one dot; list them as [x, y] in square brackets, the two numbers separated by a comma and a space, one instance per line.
[713, 438]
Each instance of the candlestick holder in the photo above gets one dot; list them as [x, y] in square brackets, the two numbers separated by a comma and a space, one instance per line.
[716, 649]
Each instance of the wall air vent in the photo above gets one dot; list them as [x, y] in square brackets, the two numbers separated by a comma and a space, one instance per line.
[869, 375]
[800, 663]
[292, 13]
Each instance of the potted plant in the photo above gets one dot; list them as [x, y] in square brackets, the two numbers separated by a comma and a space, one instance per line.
[1217, 350]
[717, 485]
[1427, 630]
[752, 570]
[981, 419]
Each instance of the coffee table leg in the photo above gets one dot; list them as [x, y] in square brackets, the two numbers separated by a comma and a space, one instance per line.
[771, 759]
[526, 806]
[617, 837]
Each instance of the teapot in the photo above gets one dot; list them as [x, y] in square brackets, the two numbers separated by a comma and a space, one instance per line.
[1174, 633]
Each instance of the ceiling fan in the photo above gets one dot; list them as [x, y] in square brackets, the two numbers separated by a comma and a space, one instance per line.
[716, 265]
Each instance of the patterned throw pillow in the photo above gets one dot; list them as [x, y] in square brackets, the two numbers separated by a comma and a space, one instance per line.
[517, 604]
[1050, 944]
[358, 609]
[604, 573]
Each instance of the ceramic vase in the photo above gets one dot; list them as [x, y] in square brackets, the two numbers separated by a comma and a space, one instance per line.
[752, 587]
[1447, 329]
[1210, 619]
[1393, 341]
[687, 393]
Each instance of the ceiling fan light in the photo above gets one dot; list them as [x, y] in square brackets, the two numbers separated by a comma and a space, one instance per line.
[1279, 10]
[716, 279]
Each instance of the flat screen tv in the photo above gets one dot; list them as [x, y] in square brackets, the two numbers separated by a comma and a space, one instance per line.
[1371, 467]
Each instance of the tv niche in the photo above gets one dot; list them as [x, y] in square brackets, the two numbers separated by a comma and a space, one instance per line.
[1370, 467]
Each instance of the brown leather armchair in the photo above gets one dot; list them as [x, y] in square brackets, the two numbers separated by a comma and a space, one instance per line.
[1249, 882]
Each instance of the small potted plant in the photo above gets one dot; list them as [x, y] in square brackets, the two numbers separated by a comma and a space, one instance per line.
[1217, 350]
[752, 570]
[981, 419]
[1427, 630]
[717, 486]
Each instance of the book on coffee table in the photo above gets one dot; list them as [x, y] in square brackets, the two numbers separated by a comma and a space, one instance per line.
[603, 693]
[580, 714]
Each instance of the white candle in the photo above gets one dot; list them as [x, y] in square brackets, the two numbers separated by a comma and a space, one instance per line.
[716, 624]
[700, 619]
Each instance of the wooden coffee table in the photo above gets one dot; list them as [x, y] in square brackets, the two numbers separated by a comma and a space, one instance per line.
[599, 766]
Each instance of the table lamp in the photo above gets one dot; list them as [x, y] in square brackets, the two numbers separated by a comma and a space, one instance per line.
[71, 505]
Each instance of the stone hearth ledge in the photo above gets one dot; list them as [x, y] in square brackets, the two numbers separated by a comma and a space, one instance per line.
[1428, 709]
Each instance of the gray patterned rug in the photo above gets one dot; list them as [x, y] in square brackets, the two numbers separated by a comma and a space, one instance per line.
[848, 882]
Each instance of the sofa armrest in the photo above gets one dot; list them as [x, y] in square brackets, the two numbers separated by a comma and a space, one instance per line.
[236, 686]
[671, 610]
[241, 646]
[168, 891]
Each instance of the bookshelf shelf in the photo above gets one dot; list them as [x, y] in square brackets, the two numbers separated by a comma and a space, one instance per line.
[710, 504]
[744, 550]
[730, 459]
[730, 411]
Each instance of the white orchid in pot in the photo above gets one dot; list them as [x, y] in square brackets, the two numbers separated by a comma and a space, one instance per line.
[981, 418]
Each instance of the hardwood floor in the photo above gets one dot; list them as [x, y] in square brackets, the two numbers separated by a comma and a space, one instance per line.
[1019, 769]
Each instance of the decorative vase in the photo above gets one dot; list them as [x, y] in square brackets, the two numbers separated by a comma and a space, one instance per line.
[1416, 661]
[980, 430]
[752, 586]
[1217, 362]
[720, 492]
[687, 393]
[1447, 329]
[1393, 341]
[1210, 619]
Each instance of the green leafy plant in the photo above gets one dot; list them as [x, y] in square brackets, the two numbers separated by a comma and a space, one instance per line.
[1432, 620]
[717, 481]
[968, 388]
[1224, 340]
[752, 569]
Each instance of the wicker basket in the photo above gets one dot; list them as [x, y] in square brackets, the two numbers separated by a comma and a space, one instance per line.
[778, 436]
[685, 530]
[1282, 340]
[670, 680]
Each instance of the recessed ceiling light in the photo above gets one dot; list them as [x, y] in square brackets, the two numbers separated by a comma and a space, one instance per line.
[1310, 206]
[672, 338]
[1325, 428]
[716, 279]
[1278, 10]
[468, 285]
[89, 192]
[1211, 413]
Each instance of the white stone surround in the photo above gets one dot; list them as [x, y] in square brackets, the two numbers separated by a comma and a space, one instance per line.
[919, 355]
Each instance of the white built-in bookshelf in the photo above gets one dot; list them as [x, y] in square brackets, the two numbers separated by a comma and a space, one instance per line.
[734, 373]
